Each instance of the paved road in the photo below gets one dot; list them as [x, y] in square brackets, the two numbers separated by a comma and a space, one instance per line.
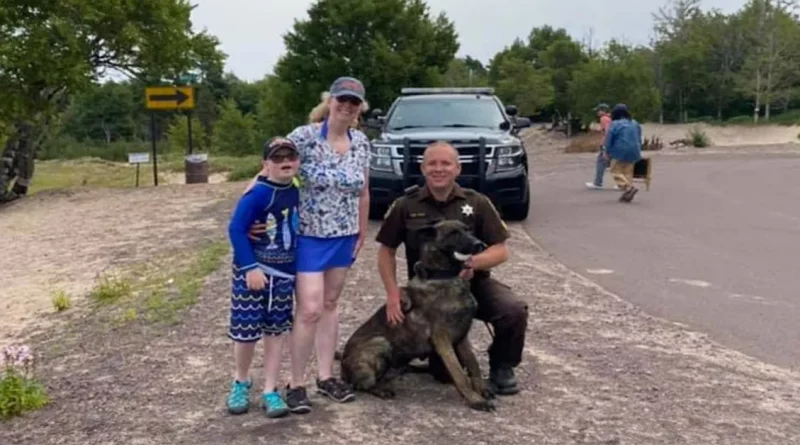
[715, 244]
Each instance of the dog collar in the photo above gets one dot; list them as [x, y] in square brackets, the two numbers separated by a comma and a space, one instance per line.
[441, 274]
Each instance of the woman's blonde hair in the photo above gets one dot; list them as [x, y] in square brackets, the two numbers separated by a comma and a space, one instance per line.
[320, 112]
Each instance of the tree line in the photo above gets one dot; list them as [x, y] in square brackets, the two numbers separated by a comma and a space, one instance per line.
[700, 65]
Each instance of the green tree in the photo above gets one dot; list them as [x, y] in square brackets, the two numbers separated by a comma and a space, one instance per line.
[524, 86]
[235, 133]
[65, 45]
[178, 136]
[102, 113]
[518, 50]
[683, 53]
[271, 116]
[619, 74]
[387, 44]
[462, 73]
[561, 57]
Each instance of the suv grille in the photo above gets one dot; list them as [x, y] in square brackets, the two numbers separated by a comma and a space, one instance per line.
[465, 147]
[469, 153]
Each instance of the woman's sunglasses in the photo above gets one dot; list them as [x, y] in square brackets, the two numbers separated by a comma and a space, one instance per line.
[352, 100]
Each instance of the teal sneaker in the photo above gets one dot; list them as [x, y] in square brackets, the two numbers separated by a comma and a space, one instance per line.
[274, 406]
[239, 397]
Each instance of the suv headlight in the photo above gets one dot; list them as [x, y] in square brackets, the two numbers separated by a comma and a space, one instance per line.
[380, 157]
[509, 157]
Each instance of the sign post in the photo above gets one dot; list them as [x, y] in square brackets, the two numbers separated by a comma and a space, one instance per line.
[138, 159]
[167, 98]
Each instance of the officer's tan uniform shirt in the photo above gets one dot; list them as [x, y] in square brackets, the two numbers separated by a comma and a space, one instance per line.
[419, 208]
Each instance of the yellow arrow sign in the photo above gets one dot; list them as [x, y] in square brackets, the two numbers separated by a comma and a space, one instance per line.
[169, 98]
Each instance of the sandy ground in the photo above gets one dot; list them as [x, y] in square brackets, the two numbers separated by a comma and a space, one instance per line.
[729, 135]
[596, 370]
[62, 241]
[724, 136]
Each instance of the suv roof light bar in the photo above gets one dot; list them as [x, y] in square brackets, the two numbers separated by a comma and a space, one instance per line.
[408, 91]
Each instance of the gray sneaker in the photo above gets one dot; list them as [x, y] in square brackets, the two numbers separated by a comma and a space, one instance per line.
[336, 389]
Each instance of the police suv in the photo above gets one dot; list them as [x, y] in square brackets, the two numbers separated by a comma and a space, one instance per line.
[473, 120]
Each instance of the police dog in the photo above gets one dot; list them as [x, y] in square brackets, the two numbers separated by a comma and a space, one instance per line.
[438, 307]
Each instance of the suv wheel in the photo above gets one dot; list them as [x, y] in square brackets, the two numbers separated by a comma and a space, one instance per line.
[518, 212]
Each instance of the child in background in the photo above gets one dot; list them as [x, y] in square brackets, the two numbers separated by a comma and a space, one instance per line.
[262, 286]
[623, 146]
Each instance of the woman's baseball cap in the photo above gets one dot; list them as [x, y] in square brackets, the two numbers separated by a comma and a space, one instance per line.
[347, 86]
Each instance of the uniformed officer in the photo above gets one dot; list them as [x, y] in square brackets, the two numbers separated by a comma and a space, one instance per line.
[441, 197]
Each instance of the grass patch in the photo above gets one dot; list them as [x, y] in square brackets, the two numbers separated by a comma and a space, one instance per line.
[95, 172]
[55, 175]
[61, 301]
[110, 289]
[163, 287]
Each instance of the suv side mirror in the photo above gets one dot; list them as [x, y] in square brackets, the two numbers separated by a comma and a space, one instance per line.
[511, 110]
[374, 123]
[376, 113]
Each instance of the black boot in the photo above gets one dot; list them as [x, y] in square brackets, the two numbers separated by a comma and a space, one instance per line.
[503, 380]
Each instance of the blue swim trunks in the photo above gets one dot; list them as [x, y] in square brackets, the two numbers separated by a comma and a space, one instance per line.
[257, 313]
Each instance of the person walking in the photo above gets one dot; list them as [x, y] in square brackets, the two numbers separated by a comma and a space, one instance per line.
[623, 147]
[601, 163]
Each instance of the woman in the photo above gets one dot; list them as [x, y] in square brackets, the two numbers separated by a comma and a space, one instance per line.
[334, 203]
[623, 145]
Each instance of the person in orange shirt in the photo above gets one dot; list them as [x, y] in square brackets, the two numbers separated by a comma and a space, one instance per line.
[602, 163]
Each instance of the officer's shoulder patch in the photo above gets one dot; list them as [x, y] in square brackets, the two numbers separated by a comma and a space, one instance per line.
[411, 190]
[391, 207]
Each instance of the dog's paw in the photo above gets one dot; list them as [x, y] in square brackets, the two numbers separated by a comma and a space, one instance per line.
[483, 388]
[482, 405]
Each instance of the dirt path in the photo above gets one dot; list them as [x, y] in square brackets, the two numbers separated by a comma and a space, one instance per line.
[62, 240]
[596, 370]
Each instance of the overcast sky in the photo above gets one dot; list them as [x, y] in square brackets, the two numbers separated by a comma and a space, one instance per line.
[251, 30]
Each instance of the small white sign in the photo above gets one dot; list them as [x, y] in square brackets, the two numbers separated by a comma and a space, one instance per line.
[197, 157]
[138, 158]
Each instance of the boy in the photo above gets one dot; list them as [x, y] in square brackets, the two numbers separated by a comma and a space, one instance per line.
[601, 163]
[262, 286]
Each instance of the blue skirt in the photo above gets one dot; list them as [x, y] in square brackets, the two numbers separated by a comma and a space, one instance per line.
[320, 254]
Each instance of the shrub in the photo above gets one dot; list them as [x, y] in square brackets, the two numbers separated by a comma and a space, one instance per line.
[61, 301]
[698, 138]
[19, 390]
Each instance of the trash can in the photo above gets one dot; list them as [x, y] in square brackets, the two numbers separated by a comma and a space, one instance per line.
[196, 166]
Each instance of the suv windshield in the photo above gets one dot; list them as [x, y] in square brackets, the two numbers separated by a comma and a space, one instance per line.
[466, 111]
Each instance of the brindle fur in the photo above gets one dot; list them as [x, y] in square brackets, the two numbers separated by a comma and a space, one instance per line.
[438, 313]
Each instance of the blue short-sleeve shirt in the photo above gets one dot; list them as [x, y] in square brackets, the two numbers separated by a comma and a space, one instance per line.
[330, 183]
